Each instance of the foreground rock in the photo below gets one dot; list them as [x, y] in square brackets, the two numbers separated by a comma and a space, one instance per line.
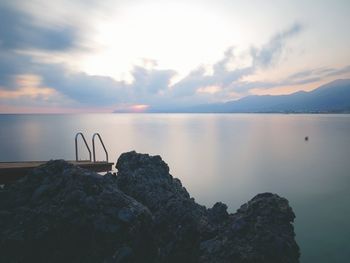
[61, 213]
[260, 231]
[177, 217]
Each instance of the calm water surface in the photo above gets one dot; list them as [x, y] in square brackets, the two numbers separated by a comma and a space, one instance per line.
[226, 157]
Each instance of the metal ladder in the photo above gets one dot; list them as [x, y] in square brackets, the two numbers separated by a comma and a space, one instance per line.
[88, 148]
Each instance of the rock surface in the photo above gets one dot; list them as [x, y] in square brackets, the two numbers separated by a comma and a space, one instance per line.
[176, 216]
[61, 213]
[260, 231]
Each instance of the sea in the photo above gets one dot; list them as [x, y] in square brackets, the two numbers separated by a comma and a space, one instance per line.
[220, 157]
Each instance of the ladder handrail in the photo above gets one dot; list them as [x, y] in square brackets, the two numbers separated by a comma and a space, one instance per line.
[76, 146]
[93, 146]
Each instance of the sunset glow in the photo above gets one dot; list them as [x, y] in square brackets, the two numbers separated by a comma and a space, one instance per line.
[109, 54]
[139, 108]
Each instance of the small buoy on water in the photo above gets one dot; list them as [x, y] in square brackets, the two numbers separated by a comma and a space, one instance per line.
[306, 138]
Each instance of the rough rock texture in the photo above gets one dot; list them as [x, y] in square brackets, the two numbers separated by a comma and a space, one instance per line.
[176, 216]
[61, 213]
[260, 231]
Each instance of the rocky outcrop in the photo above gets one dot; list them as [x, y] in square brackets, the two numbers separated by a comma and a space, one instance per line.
[61, 213]
[260, 231]
[177, 217]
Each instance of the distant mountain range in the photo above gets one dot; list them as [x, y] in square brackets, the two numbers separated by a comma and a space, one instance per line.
[333, 97]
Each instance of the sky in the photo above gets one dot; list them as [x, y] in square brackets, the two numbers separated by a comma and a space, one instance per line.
[72, 56]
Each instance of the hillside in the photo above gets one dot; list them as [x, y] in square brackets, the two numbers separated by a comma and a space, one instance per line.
[332, 97]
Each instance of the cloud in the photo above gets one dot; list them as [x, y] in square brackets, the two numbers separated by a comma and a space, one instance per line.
[18, 31]
[226, 78]
[313, 75]
[337, 72]
[150, 86]
[150, 81]
[11, 64]
[220, 77]
[84, 88]
[31, 92]
[21, 32]
[28, 86]
[308, 72]
[299, 78]
[35, 35]
[271, 51]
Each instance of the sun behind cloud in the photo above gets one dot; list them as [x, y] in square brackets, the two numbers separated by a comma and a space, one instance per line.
[103, 55]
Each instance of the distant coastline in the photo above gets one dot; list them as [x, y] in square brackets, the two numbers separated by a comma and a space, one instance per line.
[331, 98]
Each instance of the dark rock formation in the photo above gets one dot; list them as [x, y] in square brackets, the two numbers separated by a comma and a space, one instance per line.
[61, 213]
[176, 216]
[260, 231]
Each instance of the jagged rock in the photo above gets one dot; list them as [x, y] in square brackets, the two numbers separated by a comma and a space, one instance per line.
[260, 231]
[176, 216]
[218, 213]
[62, 213]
